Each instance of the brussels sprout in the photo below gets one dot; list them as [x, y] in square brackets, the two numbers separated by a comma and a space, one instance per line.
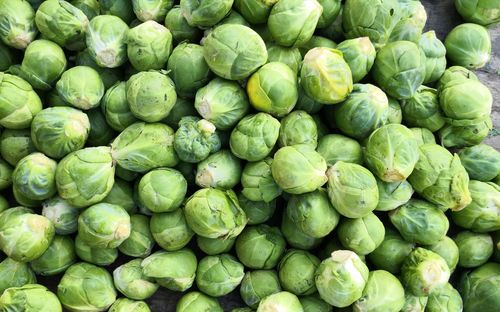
[295, 237]
[16, 274]
[127, 305]
[58, 131]
[312, 213]
[170, 230]
[196, 301]
[420, 222]
[205, 13]
[148, 45]
[95, 255]
[213, 213]
[34, 177]
[222, 102]
[91, 8]
[257, 285]
[393, 194]
[424, 271]
[482, 162]
[475, 248]
[336, 147]
[341, 278]
[289, 56]
[15, 145]
[130, 280]
[5, 174]
[121, 194]
[435, 56]
[257, 212]
[296, 272]
[366, 109]
[391, 253]
[352, 189]
[145, 146]
[440, 178]
[81, 93]
[7, 57]
[395, 115]
[280, 301]
[316, 42]
[479, 288]
[482, 12]
[306, 103]
[94, 180]
[399, 69]
[362, 235]
[17, 18]
[179, 27]
[57, 258]
[445, 298]
[140, 242]
[155, 10]
[383, 292]
[468, 45]
[215, 246]
[298, 127]
[111, 32]
[325, 76]
[423, 110]
[412, 22]
[458, 73]
[153, 195]
[121, 8]
[86, 287]
[30, 298]
[298, 169]
[448, 250]
[254, 136]
[195, 139]
[19, 103]
[255, 11]
[258, 183]
[234, 51]
[359, 53]
[260, 246]
[220, 170]
[423, 136]
[414, 303]
[313, 303]
[331, 9]
[481, 215]
[462, 133]
[173, 270]
[219, 275]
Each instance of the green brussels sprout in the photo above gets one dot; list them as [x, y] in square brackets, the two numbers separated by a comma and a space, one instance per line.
[257, 285]
[399, 69]
[391, 253]
[383, 292]
[95, 255]
[462, 133]
[62, 23]
[412, 22]
[299, 169]
[482, 12]
[479, 288]
[57, 258]
[34, 177]
[148, 45]
[104, 225]
[130, 280]
[393, 194]
[296, 272]
[213, 213]
[468, 45]
[352, 189]
[420, 222]
[260, 246]
[312, 213]
[298, 127]
[474, 248]
[255, 11]
[127, 305]
[153, 195]
[205, 13]
[395, 115]
[15, 145]
[109, 76]
[91, 8]
[141, 241]
[445, 298]
[359, 53]
[316, 42]
[100, 132]
[107, 40]
[423, 136]
[195, 139]
[234, 51]
[481, 215]
[280, 301]
[220, 170]
[423, 110]
[414, 303]
[5, 174]
[58, 131]
[7, 57]
[366, 109]
[86, 287]
[170, 230]
[195, 301]
[215, 246]
[155, 10]
[295, 237]
[448, 250]
[325, 76]
[482, 162]
[19, 103]
[30, 298]
[289, 56]
[63, 215]
[180, 28]
[121, 8]
[336, 147]
[313, 303]
[81, 93]
[341, 278]
[435, 56]
[145, 146]
[173, 270]
[37, 53]
[292, 22]
[424, 271]
[222, 102]
[306, 103]
[18, 23]
[257, 212]
[258, 183]
[94, 179]
[331, 9]
[121, 194]
[361, 235]
[458, 73]
[16, 274]
[219, 275]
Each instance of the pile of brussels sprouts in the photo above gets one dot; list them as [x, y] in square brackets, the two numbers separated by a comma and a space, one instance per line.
[310, 155]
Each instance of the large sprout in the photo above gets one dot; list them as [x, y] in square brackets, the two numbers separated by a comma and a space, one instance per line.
[170, 230]
[359, 54]
[468, 45]
[152, 194]
[129, 279]
[383, 292]
[435, 56]
[17, 18]
[205, 13]
[81, 93]
[361, 235]
[257, 285]
[219, 275]
[30, 298]
[107, 40]
[482, 12]
[260, 246]
[481, 161]
[479, 288]
[148, 45]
